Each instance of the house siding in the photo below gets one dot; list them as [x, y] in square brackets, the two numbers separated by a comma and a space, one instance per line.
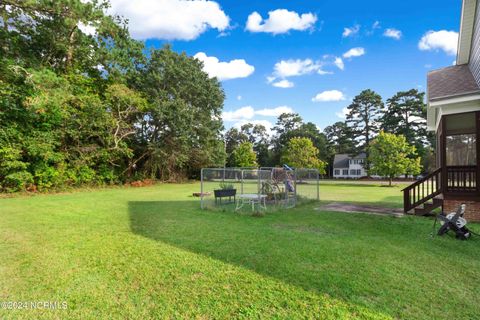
[475, 50]
[355, 169]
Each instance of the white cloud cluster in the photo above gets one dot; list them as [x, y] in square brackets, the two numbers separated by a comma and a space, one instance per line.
[354, 52]
[329, 96]
[342, 113]
[280, 21]
[275, 112]
[444, 40]
[351, 31]
[393, 33]
[233, 69]
[285, 84]
[339, 63]
[170, 19]
[248, 113]
[376, 25]
[298, 67]
[239, 114]
[87, 29]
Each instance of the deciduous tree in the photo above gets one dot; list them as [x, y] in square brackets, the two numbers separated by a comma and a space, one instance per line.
[244, 156]
[257, 134]
[391, 155]
[301, 153]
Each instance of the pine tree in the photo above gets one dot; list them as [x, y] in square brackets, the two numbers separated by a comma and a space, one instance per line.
[362, 119]
[405, 114]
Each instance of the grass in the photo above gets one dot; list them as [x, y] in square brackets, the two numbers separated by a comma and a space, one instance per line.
[152, 253]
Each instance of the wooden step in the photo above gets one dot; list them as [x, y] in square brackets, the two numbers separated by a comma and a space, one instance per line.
[428, 207]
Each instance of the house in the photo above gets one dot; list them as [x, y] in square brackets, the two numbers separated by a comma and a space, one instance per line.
[454, 115]
[348, 167]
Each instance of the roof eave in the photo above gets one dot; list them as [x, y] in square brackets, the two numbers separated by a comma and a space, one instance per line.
[466, 31]
[471, 94]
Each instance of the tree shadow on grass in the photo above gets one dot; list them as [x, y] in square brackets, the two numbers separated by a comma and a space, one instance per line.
[299, 249]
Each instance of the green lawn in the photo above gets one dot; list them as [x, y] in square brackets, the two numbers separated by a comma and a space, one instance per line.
[152, 253]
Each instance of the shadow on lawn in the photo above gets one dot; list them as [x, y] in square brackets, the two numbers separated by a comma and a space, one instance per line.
[354, 258]
[274, 246]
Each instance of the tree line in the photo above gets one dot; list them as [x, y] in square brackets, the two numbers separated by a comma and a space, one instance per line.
[404, 114]
[82, 103]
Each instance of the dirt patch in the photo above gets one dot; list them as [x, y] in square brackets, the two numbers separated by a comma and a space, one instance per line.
[348, 207]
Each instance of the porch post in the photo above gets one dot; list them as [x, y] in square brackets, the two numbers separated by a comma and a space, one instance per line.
[477, 141]
[443, 155]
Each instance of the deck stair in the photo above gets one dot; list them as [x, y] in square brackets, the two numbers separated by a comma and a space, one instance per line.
[424, 195]
[428, 207]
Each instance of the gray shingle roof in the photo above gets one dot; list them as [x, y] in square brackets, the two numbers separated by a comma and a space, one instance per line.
[341, 161]
[451, 82]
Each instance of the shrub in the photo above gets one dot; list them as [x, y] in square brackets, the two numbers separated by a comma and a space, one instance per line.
[47, 177]
[226, 186]
[17, 181]
[85, 175]
[107, 175]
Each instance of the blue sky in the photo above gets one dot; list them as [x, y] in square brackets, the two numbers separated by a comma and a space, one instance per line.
[309, 44]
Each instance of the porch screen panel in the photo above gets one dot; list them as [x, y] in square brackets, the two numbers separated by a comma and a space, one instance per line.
[461, 140]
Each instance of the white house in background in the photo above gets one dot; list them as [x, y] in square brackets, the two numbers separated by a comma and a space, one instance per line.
[349, 167]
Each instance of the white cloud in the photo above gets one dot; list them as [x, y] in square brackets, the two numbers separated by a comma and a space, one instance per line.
[323, 72]
[439, 40]
[393, 33]
[274, 112]
[329, 96]
[248, 113]
[285, 84]
[170, 19]
[291, 68]
[350, 32]
[239, 98]
[280, 21]
[87, 29]
[416, 119]
[240, 114]
[343, 113]
[354, 52]
[237, 68]
[270, 79]
[376, 25]
[299, 67]
[339, 63]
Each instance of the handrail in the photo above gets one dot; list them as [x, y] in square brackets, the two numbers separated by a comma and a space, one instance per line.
[422, 190]
[430, 175]
[461, 179]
